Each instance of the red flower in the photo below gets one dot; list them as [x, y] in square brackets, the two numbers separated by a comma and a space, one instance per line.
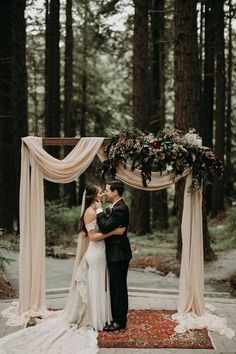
[156, 144]
[122, 142]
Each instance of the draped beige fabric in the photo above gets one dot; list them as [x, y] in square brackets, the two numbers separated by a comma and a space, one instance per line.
[191, 283]
[37, 164]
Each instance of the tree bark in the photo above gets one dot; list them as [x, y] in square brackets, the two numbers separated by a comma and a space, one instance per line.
[228, 168]
[7, 167]
[157, 120]
[82, 128]
[186, 84]
[206, 122]
[140, 202]
[69, 122]
[140, 212]
[209, 254]
[206, 128]
[200, 51]
[19, 87]
[218, 186]
[13, 106]
[52, 85]
[207, 116]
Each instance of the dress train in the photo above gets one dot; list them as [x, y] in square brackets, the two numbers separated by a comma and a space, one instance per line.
[70, 331]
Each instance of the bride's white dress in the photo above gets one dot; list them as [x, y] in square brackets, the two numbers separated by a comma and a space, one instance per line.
[73, 330]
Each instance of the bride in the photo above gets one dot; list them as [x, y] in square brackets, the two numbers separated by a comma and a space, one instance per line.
[74, 330]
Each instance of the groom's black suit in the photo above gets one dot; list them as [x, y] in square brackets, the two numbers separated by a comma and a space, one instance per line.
[118, 253]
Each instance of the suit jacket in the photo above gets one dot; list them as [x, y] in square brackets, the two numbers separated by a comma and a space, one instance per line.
[117, 246]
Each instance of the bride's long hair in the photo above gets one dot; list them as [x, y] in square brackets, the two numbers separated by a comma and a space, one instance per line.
[90, 195]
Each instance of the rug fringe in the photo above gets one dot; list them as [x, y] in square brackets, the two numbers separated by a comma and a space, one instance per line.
[212, 341]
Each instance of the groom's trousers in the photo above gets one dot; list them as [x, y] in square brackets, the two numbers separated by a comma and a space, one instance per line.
[118, 290]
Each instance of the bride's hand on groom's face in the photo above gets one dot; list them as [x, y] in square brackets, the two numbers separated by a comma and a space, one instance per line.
[98, 205]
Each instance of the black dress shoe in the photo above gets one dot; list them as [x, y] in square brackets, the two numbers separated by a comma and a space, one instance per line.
[114, 326]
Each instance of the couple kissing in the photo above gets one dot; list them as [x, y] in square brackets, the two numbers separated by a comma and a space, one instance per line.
[108, 256]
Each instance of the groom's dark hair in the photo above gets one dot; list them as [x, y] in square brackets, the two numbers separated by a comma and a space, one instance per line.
[117, 185]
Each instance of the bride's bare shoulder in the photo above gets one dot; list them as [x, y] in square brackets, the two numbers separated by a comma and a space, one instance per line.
[89, 215]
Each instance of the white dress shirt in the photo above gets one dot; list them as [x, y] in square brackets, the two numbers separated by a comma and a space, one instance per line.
[100, 210]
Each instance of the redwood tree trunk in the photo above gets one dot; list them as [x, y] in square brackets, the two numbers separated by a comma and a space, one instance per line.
[83, 116]
[13, 106]
[19, 87]
[52, 86]
[157, 121]
[69, 123]
[228, 176]
[206, 122]
[200, 49]
[209, 254]
[186, 84]
[218, 187]
[7, 167]
[140, 204]
[206, 128]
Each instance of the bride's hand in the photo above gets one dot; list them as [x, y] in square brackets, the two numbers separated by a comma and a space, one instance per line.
[98, 205]
[118, 231]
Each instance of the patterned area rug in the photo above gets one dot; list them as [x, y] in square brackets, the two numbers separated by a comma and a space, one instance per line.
[154, 329]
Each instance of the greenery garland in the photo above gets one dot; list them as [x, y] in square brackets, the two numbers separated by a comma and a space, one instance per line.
[171, 151]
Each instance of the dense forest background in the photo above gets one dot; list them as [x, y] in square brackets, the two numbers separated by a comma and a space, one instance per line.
[83, 67]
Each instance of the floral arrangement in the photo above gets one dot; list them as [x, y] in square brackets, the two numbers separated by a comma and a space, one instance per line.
[171, 151]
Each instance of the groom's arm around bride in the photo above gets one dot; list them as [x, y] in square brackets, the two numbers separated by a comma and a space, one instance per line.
[118, 252]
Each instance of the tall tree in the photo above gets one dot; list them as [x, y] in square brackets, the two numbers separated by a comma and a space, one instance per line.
[157, 121]
[52, 84]
[218, 186]
[83, 115]
[35, 60]
[186, 83]
[7, 168]
[140, 202]
[206, 122]
[228, 176]
[13, 105]
[19, 84]
[201, 30]
[69, 122]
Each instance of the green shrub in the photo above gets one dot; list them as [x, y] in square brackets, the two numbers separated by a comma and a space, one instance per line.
[5, 247]
[231, 222]
[61, 223]
[223, 235]
[157, 243]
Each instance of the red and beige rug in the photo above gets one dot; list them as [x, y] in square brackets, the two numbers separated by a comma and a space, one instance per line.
[154, 329]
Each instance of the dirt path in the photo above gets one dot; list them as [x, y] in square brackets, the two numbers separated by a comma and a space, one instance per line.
[58, 273]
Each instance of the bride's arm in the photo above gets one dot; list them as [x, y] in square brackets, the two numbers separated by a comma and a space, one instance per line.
[89, 217]
[96, 236]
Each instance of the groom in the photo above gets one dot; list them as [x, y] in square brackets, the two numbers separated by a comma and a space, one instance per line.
[118, 252]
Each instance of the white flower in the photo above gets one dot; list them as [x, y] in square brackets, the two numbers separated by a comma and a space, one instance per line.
[113, 132]
[192, 139]
[169, 168]
[150, 138]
